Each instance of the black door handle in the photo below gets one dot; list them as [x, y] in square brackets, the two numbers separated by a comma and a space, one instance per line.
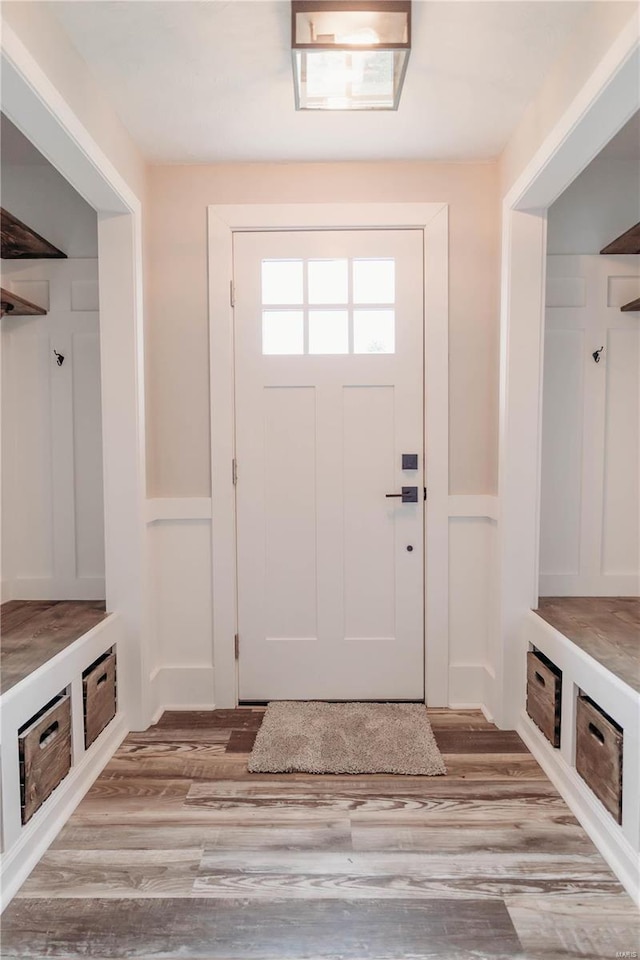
[408, 495]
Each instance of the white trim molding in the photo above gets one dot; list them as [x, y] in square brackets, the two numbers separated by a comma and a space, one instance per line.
[182, 688]
[178, 508]
[484, 506]
[432, 219]
[469, 685]
[603, 105]
[33, 103]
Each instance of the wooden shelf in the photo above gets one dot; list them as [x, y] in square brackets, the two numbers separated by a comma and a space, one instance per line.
[20, 242]
[11, 305]
[632, 307]
[628, 242]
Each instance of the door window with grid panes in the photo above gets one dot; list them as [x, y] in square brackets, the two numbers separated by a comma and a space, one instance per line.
[328, 306]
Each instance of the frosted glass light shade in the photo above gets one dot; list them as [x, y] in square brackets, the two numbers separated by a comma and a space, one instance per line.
[350, 55]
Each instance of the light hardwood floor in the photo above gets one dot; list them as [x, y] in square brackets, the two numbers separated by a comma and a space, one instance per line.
[178, 852]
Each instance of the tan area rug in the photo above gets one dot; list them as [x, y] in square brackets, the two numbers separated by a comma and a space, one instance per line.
[346, 738]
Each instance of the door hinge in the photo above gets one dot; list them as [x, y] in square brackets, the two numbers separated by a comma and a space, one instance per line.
[236, 646]
[425, 493]
[232, 293]
[234, 471]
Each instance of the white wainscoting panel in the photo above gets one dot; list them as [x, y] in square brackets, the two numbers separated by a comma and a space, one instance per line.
[52, 497]
[566, 292]
[180, 552]
[471, 599]
[563, 426]
[589, 524]
[180, 548]
[621, 494]
[87, 461]
[621, 290]
[178, 508]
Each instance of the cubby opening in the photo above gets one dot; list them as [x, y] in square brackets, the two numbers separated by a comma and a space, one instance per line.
[53, 576]
[589, 514]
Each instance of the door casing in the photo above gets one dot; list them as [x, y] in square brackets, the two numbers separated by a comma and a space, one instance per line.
[223, 222]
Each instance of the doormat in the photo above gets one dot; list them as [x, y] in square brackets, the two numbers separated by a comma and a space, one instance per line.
[312, 737]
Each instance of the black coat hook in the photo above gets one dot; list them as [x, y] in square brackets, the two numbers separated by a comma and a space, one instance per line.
[596, 354]
[59, 358]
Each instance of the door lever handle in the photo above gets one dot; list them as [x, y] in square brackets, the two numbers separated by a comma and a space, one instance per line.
[408, 495]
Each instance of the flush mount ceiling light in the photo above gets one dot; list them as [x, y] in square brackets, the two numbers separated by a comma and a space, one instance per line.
[349, 55]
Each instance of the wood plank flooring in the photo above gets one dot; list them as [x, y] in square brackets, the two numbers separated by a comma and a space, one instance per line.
[178, 852]
[34, 631]
[607, 628]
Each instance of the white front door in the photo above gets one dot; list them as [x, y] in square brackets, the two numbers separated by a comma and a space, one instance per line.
[329, 399]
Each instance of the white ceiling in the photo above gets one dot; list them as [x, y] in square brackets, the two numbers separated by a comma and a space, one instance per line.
[211, 81]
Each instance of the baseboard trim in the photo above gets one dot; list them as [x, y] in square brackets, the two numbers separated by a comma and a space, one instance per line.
[41, 831]
[156, 716]
[468, 685]
[6, 590]
[605, 833]
[474, 706]
[487, 714]
[182, 688]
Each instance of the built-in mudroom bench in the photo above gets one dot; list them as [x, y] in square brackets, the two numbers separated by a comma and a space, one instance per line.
[63, 679]
[582, 716]
[59, 717]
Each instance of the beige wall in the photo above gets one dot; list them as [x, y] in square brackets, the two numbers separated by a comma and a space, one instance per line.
[177, 318]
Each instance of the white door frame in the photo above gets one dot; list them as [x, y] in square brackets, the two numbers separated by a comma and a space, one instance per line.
[224, 221]
[36, 107]
[603, 106]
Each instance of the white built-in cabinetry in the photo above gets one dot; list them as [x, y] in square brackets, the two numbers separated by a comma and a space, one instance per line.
[24, 843]
[582, 674]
